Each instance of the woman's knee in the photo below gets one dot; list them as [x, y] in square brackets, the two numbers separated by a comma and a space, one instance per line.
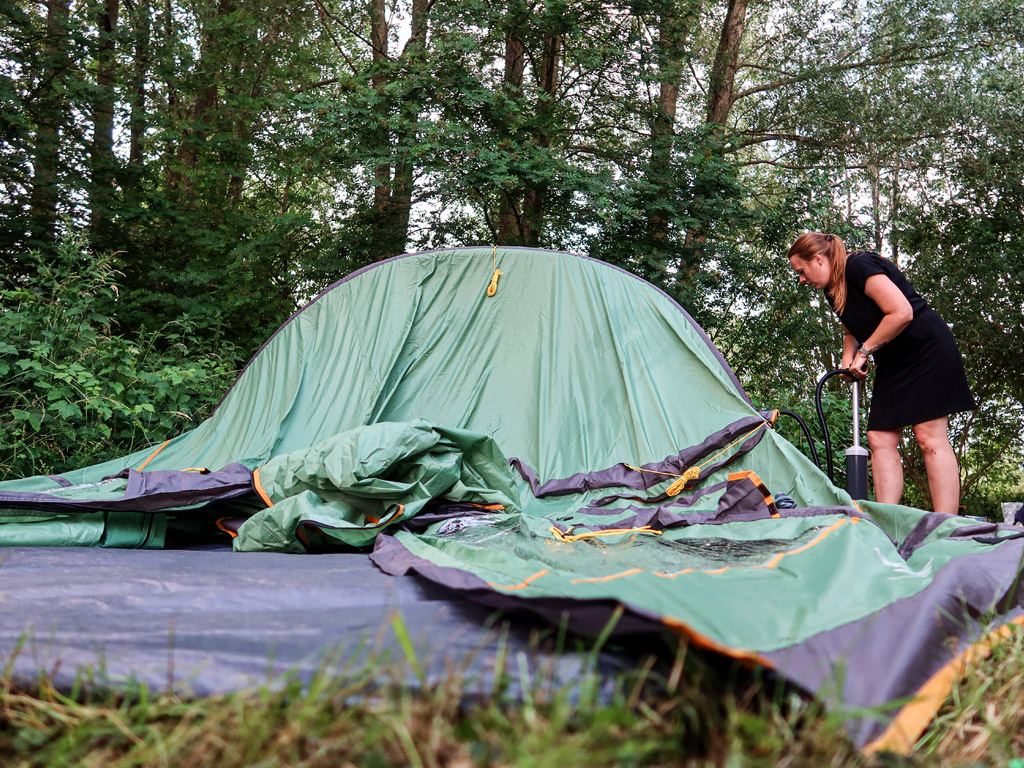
[883, 441]
[932, 436]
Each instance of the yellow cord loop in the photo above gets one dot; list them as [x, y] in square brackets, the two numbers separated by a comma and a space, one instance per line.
[493, 287]
[693, 473]
[570, 537]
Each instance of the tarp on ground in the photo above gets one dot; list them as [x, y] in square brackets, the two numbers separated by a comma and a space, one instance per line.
[200, 621]
[572, 444]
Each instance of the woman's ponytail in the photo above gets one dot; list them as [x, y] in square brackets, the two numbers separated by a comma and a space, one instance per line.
[836, 252]
[831, 247]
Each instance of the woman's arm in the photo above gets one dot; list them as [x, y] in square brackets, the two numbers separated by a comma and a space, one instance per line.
[897, 314]
[850, 345]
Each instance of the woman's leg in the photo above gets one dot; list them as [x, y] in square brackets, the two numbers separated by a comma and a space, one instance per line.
[886, 466]
[940, 462]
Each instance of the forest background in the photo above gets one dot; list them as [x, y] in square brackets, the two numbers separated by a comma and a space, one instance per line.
[177, 176]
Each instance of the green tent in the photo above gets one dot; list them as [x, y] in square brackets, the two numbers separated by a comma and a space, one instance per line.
[571, 444]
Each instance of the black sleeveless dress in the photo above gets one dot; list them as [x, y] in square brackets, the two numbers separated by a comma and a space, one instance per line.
[919, 375]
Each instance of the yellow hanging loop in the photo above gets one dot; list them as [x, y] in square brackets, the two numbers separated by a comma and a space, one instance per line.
[493, 287]
[693, 473]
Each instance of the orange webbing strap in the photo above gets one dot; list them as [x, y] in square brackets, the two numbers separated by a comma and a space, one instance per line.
[750, 475]
[258, 487]
[222, 524]
[153, 455]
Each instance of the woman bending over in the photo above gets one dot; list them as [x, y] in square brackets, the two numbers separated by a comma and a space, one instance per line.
[919, 374]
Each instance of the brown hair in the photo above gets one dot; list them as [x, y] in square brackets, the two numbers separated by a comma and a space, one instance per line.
[832, 248]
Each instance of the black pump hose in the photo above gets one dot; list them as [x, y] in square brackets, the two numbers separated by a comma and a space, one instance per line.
[807, 435]
[821, 418]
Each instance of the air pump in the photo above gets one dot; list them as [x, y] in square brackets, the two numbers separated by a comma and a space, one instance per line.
[856, 455]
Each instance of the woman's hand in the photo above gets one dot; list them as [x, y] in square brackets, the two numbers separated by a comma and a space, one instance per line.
[859, 365]
[850, 345]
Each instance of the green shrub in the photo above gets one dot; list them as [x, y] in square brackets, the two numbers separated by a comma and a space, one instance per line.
[72, 392]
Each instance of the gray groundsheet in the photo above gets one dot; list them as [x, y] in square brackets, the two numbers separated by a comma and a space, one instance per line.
[207, 621]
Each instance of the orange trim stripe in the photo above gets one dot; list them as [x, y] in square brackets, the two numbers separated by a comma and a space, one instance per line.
[378, 522]
[740, 475]
[524, 583]
[693, 635]
[771, 563]
[706, 642]
[910, 722]
[228, 531]
[258, 487]
[153, 455]
[677, 573]
[817, 540]
[630, 572]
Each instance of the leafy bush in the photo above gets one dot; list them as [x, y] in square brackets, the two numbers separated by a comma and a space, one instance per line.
[75, 393]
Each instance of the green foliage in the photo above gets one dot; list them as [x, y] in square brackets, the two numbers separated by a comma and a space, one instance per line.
[267, 149]
[73, 391]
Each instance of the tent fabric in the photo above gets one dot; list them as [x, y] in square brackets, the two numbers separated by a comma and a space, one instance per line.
[135, 491]
[572, 444]
[349, 487]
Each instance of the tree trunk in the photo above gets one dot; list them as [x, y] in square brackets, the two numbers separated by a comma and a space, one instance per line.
[140, 72]
[394, 171]
[521, 209]
[674, 32]
[49, 118]
[535, 194]
[378, 78]
[399, 204]
[173, 175]
[244, 116]
[875, 179]
[721, 93]
[103, 162]
[203, 111]
[509, 207]
[721, 96]
[894, 213]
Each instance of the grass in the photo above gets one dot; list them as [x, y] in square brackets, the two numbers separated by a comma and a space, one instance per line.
[982, 722]
[696, 711]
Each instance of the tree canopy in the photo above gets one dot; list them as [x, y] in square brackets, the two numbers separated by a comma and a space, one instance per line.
[229, 159]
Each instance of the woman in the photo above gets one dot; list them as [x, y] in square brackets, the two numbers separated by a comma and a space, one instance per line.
[919, 380]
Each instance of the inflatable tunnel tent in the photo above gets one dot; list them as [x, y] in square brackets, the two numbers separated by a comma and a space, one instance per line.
[571, 444]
